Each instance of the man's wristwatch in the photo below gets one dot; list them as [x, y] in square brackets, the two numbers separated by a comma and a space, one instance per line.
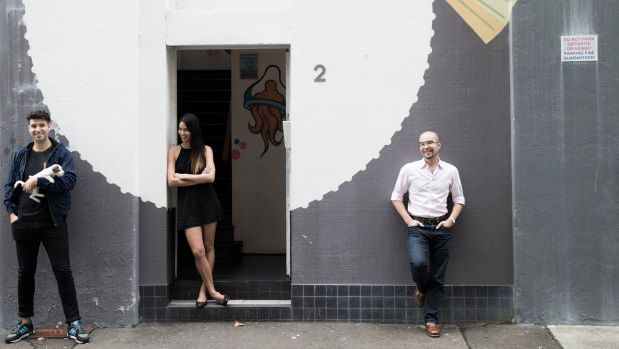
[452, 220]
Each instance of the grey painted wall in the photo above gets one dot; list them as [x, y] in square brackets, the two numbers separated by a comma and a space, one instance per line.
[355, 236]
[156, 245]
[565, 156]
[103, 222]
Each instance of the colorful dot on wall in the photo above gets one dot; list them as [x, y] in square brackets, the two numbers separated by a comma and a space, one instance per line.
[236, 141]
[236, 154]
[243, 145]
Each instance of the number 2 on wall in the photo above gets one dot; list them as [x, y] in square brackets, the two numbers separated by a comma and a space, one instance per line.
[323, 70]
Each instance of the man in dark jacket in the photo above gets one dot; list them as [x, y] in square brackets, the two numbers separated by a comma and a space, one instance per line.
[33, 223]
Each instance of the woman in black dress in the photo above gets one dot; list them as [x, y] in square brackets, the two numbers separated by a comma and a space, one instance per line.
[192, 170]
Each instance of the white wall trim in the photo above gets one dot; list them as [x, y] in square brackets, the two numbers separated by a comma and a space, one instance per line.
[221, 27]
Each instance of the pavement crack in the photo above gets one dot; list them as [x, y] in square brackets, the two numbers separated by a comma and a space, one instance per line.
[463, 333]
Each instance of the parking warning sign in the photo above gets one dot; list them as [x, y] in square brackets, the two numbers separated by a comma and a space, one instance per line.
[579, 48]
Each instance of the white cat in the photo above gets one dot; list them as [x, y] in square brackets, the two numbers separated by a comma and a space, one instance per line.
[47, 173]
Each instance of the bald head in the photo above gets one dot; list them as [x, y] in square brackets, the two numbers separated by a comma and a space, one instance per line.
[429, 145]
[429, 135]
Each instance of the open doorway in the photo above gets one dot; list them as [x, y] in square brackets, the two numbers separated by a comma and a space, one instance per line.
[239, 98]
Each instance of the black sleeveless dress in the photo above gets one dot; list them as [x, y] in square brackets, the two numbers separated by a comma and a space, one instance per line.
[197, 204]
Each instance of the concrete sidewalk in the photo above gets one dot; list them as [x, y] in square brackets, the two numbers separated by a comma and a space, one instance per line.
[335, 335]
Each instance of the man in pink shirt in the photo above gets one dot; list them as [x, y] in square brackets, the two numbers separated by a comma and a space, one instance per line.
[429, 182]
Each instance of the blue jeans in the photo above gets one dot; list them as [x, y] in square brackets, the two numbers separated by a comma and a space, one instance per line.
[428, 253]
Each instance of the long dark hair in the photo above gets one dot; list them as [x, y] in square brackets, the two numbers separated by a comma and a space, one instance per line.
[198, 162]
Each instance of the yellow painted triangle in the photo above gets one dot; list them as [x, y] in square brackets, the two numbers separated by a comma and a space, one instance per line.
[487, 18]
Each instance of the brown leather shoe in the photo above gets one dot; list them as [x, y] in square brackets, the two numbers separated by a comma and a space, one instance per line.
[419, 298]
[433, 329]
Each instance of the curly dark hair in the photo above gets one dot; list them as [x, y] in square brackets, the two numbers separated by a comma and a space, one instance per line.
[39, 115]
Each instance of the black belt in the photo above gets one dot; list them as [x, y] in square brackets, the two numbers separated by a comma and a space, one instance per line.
[431, 220]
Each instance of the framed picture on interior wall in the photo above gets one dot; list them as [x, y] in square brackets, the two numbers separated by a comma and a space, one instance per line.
[248, 65]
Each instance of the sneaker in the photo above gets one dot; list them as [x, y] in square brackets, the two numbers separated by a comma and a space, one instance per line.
[19, 332]
[76, 331]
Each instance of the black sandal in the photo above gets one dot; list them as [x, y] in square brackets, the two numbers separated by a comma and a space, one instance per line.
[224, 301]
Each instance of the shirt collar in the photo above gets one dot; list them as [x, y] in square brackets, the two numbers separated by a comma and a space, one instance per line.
[424, 164]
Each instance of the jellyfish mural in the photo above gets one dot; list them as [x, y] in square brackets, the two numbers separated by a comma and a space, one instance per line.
[267, 107]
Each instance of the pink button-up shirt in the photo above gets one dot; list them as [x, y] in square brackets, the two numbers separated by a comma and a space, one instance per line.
[427, 191]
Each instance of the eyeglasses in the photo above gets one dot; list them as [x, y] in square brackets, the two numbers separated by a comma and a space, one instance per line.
[423, 144]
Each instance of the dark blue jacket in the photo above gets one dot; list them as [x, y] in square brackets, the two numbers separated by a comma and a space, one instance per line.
[57, 194]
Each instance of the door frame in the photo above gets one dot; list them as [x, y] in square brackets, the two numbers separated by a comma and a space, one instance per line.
[171, 131]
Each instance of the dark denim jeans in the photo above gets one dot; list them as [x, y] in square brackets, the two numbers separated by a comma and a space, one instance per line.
[428, 253]
[28, 236]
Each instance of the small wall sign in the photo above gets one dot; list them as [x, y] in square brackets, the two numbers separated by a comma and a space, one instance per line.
[579, 48]
[248, 63]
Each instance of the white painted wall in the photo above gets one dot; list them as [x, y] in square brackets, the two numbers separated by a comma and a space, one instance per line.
[103, 71]
[227, 27]
[227, 4]
[375, 53]
[258, 184]
[85, 57]
[157, 104]
[107, 59]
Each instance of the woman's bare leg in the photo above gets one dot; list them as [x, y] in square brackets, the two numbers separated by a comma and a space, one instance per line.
[208, 237]
[196, 244]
